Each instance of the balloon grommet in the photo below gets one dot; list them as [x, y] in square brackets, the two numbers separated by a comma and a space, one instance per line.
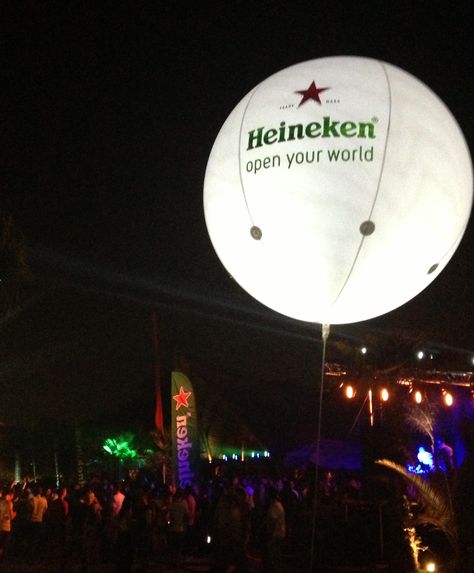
[367, 228]
[256, 233]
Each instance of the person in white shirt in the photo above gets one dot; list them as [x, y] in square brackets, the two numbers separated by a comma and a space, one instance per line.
[40, 505]
[117, 500]
[7, 515]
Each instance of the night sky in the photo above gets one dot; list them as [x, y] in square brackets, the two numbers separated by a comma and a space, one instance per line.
[108, 117]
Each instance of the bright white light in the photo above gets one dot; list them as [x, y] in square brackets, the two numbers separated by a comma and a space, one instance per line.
[420, 355]
[431, 567]
[363, 350]
[301, 164]
[425, 457]
[208, 539]
[384, 394]
[418, 397]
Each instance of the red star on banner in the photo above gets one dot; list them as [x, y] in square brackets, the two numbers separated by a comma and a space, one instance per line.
[311, 93]
[182, 398]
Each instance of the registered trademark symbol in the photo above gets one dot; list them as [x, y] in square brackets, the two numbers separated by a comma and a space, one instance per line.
[375, 119]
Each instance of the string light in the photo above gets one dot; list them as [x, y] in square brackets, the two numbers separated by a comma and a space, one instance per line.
[448, 398]
[349, 392]
[416, 387]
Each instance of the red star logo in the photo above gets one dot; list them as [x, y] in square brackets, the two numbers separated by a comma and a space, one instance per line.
[182, 398]
[311, 93]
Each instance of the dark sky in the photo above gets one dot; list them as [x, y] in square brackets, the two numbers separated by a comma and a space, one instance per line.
[108, 116]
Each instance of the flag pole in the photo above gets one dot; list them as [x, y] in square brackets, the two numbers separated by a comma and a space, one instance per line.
[159, 424]
[159, 402]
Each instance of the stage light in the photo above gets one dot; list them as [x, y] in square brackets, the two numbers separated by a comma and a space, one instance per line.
[431, 567]
[384, 395]
[371, 408]
[363, 350]
[420, 355]
[349, 392]
[418, 397]
[448, 398]
[425, 458]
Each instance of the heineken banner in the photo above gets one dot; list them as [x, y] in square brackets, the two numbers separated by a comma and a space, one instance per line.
[184, 430]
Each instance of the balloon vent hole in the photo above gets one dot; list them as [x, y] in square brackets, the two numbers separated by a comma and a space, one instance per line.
[256, 233]
[367, 228]
[433, 268]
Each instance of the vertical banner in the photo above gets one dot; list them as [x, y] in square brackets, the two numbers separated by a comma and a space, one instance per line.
[184, 430]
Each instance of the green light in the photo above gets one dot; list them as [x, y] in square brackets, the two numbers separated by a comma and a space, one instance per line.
[236, 454]
[119, 448]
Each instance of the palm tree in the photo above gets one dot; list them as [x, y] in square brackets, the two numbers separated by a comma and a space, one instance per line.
[437, 511]
[422, 420]
[162, 457]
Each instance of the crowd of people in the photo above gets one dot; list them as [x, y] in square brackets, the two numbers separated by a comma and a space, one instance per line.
[240, 522]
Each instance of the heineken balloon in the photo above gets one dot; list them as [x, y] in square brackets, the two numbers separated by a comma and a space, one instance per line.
[338, 189]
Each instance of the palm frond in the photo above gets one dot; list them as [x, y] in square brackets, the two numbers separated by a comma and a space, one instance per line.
[421, 420]
[437, 507]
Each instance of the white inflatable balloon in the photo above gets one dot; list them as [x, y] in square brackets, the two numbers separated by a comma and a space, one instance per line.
[338, 189]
